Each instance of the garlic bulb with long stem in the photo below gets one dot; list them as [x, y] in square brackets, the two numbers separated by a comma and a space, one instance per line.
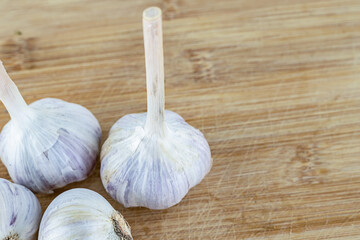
[20, 212]
[49, 143]
[152, 159]
[82, 214]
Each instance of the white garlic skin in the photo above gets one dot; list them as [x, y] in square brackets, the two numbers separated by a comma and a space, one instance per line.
[20, 212]
[54, 144]
[142, 169]
[82, 214]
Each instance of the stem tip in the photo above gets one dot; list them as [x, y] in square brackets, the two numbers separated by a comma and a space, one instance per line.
[152, 13]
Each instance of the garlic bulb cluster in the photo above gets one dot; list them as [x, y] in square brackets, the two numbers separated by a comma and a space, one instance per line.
[152, 159]
[49, 143]
[82, 214]
[20, 212]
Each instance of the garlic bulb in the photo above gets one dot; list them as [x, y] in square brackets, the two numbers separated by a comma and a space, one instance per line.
[49, 143]
[20, 212]
[82, 214]
[152, 159]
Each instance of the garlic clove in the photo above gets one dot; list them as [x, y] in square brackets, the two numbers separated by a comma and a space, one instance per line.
[20, 212]
[152, 159]
[49, 143]
[82, 214]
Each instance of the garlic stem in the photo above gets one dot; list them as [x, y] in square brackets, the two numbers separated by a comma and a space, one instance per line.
[10, 95]
[154, 61]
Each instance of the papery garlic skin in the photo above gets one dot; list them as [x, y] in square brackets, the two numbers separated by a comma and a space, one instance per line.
[82, 214]
[20, 212]
[139, 169]
[152, 159]
[53, 144]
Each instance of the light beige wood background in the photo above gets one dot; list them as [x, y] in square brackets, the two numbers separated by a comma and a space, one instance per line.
[273, 85]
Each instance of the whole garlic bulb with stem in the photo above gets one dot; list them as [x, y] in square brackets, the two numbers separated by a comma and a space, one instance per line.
[20, 212]
[152, 159]
[49, 143]
[82, 214]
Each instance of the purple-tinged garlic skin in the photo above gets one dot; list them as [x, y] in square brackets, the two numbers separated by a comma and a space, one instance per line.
[20, 212]
[152, 159]
[53, 144]
[82, 214]
[140, 169]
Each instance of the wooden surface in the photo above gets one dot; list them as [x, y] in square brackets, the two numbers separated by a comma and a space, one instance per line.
[273, 85]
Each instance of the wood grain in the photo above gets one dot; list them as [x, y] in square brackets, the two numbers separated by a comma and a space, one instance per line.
[273, 85]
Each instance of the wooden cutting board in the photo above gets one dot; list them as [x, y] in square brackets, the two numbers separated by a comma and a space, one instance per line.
[273, 85]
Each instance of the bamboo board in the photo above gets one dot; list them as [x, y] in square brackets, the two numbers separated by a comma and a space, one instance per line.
[273, 85]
